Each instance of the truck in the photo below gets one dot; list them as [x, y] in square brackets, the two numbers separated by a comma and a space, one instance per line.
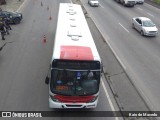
[127, 2]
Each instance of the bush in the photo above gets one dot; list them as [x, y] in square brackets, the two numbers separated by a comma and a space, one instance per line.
[157, 1]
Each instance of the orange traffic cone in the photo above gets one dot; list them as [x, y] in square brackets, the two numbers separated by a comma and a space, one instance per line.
[44, 39]
[50, 18]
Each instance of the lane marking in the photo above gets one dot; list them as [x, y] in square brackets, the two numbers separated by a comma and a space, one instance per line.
[134, 78]
[70, 1]
[116, 54]
[18, 10]
[157, 9]
[120, 60]
[108, 97]
[101, 5]
[109, 43]
[123, 27]
[150, 14]
[139, 8]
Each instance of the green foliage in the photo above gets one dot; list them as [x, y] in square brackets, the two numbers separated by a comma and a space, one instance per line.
[157, 1]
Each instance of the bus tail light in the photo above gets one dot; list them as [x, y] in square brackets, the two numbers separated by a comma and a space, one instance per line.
[94, 99]
[54, 98]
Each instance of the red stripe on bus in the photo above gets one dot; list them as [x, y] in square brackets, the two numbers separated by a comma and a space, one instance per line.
[76, 53]
[74, 99]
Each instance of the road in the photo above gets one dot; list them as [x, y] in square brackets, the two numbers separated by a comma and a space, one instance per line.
[138, 55]
[25, 62]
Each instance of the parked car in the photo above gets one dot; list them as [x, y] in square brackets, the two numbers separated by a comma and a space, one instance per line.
[14, 17]
[2, 2]
[145, 26]
[139, 1]
[93, 3]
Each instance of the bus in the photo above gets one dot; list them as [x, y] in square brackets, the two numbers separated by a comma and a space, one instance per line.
[75, 70]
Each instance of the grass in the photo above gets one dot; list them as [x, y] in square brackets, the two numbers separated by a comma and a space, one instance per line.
[157, 1]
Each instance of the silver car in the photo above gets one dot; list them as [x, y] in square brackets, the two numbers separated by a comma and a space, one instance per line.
[139, 1]
[94, 3]
[145, 26]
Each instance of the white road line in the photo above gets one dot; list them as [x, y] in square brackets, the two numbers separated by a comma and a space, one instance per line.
[115, 53]
[18, 10]
[71, 1]
[123, 27]
[139, 8]
[108, 97]
[108, 42]
[101, 5]
[120, 61]
[150, 14]
[157, 9]
[117, 56]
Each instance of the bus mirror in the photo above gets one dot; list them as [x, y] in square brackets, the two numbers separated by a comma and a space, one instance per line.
[47, 80]
[102, 68]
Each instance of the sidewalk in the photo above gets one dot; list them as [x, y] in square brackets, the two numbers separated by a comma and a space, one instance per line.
[12, 5]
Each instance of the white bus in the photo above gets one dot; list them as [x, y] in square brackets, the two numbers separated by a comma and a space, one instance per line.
[75, 70]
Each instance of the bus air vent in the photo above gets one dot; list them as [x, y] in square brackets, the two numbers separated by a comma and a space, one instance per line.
[70, 5]
[72, 13]
[70, 9]
[73, 24]
[74, 32]
[75, 38]
[72, 19]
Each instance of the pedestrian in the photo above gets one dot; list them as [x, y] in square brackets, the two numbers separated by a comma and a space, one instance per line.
[2, 30]
[7, 25]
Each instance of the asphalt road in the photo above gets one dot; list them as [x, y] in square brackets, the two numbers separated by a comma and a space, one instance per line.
[25, 62]
[138, 55]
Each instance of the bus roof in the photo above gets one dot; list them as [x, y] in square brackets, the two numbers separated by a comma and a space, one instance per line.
[73, 39]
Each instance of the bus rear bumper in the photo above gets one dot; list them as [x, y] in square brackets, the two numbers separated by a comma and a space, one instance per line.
[53, 104]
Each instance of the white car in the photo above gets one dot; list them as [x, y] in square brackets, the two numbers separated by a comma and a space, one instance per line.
[93, 3]
[145, 26]
[140, 1]
[130, 3]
